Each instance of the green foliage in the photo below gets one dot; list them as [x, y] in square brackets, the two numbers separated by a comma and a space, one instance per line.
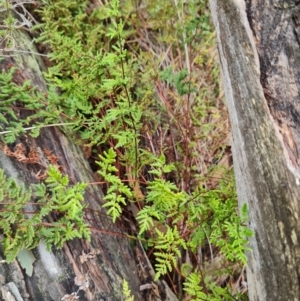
[85, 70]
[219, 222]
[23, 213]
[207, 216]
[193, 287]
[15, 97]
[200, 289]
[117, 191]
[130, 88]
[178, 80]
[126, 291]
[168, 245]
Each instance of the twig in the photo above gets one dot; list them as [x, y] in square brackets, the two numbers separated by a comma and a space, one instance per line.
[44, 126]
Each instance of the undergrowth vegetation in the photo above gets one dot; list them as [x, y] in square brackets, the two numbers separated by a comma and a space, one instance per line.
[137, 83]
[26, 233]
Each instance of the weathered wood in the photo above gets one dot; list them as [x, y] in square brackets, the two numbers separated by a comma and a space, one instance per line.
[54, 273]
[260, 60]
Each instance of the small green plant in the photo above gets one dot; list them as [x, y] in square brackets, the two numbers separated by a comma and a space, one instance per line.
[14, 97]
[126, 291]
[204, 215]
[195, 289]
[168, 246]
[129, 88]
[117, 192]
[24, 211]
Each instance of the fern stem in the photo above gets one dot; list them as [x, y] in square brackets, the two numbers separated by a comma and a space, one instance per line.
[130, 115]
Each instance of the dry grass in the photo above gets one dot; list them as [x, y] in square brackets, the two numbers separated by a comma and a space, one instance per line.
[193, 129]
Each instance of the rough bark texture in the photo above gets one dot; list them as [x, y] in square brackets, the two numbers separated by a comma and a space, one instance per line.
[258, 44]
[54, 273]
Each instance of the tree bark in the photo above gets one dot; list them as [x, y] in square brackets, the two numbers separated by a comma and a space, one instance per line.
[113, 259]
[258, 45]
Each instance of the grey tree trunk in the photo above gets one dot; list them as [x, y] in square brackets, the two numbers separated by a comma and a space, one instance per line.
[111, 258]
[258, 44]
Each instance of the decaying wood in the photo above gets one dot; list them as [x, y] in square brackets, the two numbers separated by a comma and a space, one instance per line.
[258, 44]
[101, 265]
